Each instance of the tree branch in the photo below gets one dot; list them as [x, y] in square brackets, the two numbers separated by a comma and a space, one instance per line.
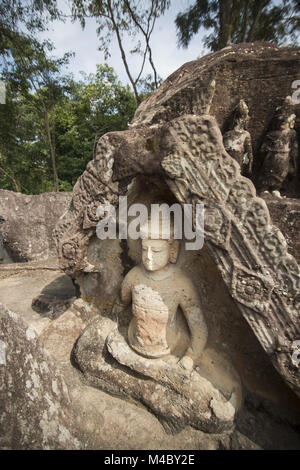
[116, 29]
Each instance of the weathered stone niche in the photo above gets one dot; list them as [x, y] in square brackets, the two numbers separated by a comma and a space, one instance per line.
[229, 335]
[176, 138]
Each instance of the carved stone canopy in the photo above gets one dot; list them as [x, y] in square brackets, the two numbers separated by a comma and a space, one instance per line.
[187, 151]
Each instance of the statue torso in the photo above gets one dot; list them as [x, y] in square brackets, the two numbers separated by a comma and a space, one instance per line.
[154, 307]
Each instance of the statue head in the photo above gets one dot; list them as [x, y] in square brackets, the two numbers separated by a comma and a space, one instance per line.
[155, 254]
[284, 116]
[159, 248]
[241, 114]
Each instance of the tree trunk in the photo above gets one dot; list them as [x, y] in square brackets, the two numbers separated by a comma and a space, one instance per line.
[12, 178]
[116, 29]
[52, 151]
[242, 35]
[225, 13]
[146, 35]
[256, 15]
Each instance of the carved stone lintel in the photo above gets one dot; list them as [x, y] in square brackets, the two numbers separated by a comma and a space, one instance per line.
[251, 289]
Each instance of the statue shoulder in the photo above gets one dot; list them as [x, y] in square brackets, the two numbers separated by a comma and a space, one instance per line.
[185, 282]
[131, 275]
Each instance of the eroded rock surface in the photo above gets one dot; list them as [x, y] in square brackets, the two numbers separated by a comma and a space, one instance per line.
[175, 139]
[103, 421]
[178, 398]
[27, 223]
[285, 214]
[176, 136]
[251, 254]
[35, 407]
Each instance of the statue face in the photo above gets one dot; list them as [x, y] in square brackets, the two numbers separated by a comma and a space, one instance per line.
[292, 120]
[155, 254]
[289, 122]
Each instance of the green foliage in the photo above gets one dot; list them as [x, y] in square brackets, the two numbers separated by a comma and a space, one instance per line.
[32, 73]
[238, 21]
[94, 106]
[78, 114]
[24, 163]
[129, 21]
[50, 123]
[27, 16]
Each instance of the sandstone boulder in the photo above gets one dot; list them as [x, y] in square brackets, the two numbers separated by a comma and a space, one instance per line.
[35, 407]
[27, 223]
[176, 139]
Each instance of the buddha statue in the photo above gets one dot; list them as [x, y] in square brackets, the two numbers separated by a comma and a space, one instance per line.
[153, 347]
[156, 289]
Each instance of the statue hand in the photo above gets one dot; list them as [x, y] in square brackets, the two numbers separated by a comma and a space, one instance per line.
[117, 308]
[187, 363]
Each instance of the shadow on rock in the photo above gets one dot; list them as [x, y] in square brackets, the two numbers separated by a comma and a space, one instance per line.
[55, 298]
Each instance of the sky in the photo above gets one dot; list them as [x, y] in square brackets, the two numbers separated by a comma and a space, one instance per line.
[167, 56]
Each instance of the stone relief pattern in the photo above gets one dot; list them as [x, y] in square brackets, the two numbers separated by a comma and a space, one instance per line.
[262, 277]
[77, 226]
[265, 278]
[190, 99]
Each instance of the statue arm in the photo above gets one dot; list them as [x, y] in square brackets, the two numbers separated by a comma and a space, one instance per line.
[126, 290]
[294, 155]
[193, 313]
[124, 297]
[249, 152]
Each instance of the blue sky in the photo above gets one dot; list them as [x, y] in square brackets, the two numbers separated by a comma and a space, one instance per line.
[167, 56]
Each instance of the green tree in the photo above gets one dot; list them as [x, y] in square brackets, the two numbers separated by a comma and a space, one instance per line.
[78, 116]
[96, 105]
[235, 21]
[128, 21]
[24, 65]
[18, 17]
[50, 124]
[36, 76]
[24, 164]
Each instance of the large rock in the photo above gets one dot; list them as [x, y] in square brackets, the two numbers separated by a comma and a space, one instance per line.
[103, 421]
[35, 407]
[27, 223]
[260, 73]
[176, 138]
